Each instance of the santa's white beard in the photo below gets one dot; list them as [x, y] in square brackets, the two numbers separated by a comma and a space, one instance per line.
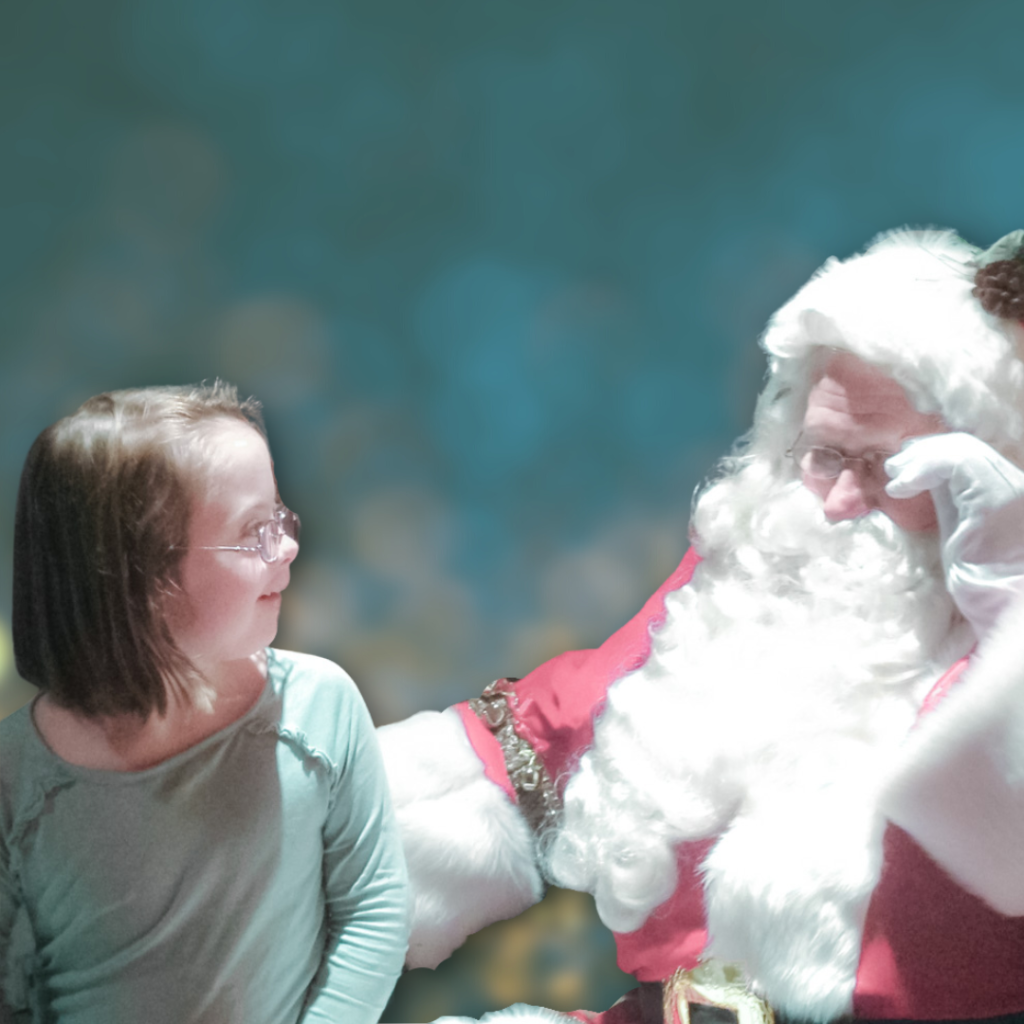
[784, 678]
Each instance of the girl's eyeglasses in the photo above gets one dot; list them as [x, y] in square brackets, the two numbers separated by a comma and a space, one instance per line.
[269, 536]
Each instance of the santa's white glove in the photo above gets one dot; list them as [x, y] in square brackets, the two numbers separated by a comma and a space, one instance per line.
[979, 502]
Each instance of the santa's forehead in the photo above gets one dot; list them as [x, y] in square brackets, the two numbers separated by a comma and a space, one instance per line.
[854, 405]
[847, 381]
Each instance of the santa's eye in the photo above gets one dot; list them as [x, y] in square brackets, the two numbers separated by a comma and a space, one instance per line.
[817, 460]
[824, 463]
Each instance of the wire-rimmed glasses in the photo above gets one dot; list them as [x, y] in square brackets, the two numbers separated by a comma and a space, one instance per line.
[285, 523]
[825, 463]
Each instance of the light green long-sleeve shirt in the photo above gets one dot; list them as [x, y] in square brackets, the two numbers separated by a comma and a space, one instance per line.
[256, 877]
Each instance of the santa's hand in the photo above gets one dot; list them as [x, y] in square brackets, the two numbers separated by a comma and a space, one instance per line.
[979, 502]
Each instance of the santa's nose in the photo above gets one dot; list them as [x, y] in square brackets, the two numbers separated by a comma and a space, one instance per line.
[848, 497]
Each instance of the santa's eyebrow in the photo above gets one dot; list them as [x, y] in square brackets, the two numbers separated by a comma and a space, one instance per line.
[845, 452]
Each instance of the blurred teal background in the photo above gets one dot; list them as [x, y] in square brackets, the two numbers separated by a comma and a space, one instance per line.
[495, 268]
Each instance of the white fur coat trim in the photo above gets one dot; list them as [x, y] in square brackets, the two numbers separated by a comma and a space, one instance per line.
[469, 851]
[521, 1013]
[959, 790]
[786, 891]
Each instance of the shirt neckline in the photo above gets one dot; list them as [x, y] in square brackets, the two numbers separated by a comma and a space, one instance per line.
[113, 776]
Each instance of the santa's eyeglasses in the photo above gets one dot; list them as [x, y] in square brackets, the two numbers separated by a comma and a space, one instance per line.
[824, 463]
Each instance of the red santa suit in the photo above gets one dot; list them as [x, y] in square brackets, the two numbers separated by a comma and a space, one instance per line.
[931, 949]
[932, 925]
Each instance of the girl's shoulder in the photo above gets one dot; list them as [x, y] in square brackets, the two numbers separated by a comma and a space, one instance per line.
[27, 767]
[20, 743]
[15, 728]
[315, 701]
[308, 676]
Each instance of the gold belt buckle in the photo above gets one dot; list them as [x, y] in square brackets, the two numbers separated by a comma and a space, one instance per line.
[713, 983]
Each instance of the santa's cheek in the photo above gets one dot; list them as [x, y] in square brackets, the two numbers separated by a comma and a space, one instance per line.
[915, 514]
[816, 485]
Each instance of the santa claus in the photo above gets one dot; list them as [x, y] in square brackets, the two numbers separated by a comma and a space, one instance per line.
[794, 782]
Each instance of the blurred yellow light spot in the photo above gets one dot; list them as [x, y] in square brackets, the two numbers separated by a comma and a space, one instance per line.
[6, 650]
[542, 952]
[567, 988]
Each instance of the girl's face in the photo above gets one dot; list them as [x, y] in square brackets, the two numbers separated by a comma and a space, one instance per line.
[231, 599]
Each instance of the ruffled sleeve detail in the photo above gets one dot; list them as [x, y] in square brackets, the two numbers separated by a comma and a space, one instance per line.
[299, 741]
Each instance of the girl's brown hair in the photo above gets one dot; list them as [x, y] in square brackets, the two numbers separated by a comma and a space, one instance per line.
[102, 520]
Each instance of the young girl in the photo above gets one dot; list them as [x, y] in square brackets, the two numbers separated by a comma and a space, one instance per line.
[193, 827]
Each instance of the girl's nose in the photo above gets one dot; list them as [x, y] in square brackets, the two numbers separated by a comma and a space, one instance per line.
[849, 496]
[288, 550]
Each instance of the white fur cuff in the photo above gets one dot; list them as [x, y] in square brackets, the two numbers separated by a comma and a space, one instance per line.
[520, 1013]
[469, 851]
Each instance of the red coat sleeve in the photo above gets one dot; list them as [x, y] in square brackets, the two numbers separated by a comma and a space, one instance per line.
[556, 705]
